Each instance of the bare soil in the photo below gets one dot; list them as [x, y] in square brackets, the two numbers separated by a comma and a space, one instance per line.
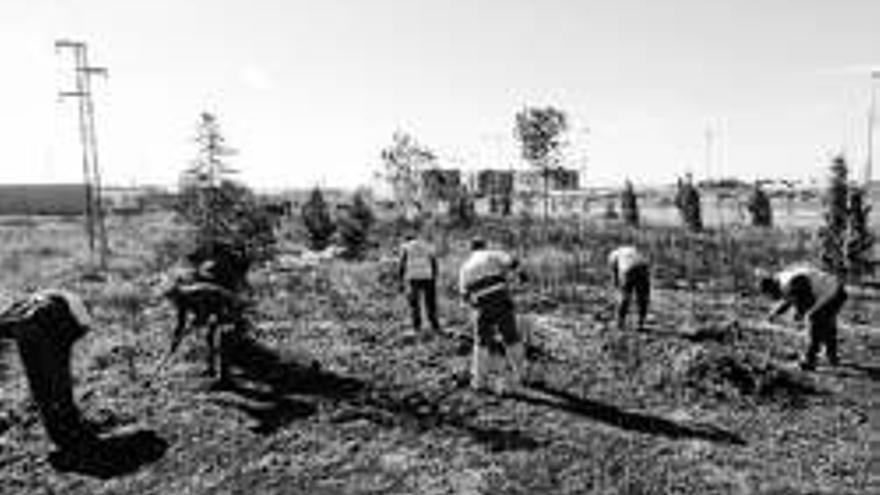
[334, 393]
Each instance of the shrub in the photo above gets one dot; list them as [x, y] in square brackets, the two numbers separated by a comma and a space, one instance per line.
[319, 224]
[832, 235]
[229, 214]
[687, 200]
[611, 211]
[462, 212]
[859, 240]
[629, 205]
[354, 227]
[759, 207]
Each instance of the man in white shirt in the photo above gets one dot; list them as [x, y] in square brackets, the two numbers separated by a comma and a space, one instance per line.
[631, 273]
[814, 294]
[418, 274]
[483, 284]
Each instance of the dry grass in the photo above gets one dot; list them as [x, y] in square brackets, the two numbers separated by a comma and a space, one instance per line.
[699, 403]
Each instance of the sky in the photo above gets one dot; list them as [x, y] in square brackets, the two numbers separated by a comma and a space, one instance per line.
[310, 91]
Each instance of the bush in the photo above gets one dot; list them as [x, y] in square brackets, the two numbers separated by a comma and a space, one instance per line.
[354, 227]
[859, 240]
[629, 205]
[462, 212]
[687, 200]
[759, 207]
[611, 211]
[316, 217]
[229, 214]
[846, 241]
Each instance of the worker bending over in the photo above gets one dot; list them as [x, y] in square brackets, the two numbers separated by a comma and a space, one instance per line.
[815, 294]
[45, 326]
[484, 285]
[631, 273]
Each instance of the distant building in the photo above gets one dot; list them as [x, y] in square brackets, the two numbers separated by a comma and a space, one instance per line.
[558, 179]
[560, 203]
[124, 199]
[493, 191]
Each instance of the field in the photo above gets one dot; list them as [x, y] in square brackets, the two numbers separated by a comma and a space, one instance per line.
[706, 400]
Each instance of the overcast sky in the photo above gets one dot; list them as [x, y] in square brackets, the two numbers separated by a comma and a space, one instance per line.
[310, 91]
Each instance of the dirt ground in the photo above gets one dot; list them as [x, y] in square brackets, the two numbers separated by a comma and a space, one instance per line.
[335, 394]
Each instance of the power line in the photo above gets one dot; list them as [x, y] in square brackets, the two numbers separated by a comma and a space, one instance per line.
[95, 226]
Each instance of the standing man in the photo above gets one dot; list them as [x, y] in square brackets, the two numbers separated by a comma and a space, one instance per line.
[418, 275]
[483, 284]
[815, 294]
[632, 276]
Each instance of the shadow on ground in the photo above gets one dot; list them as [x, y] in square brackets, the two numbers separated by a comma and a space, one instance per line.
[112, 456]
[280, 390]
[619, 418]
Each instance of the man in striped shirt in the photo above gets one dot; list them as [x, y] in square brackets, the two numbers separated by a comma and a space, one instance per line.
[814, 294]
[483, 284]
[632, 276]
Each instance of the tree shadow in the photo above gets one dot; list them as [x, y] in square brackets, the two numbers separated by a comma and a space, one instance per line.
[626, 420]
[112, 456]
[276, 378]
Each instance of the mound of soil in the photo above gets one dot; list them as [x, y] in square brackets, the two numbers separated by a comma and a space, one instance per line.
[730, 375]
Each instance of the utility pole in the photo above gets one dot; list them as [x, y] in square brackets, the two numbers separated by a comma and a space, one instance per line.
[709, 138]
[872, 117]
[94, 209]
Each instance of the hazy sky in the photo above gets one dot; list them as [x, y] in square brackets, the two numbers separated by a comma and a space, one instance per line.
[310, 91]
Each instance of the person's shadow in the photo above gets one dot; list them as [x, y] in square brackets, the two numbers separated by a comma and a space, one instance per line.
[626, 420]
[112, 456]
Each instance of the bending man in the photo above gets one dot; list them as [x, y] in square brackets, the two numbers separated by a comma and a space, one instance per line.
[632, 276]
[483, 284]
[814, 294]
[45, 326]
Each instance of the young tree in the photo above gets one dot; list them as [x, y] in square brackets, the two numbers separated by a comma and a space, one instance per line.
[687, 200]
[222, 210]
[759, 207]
[540, 132]
[462, 211]
[832, 235]
[859, 239]
[354, 227]
[611, 210]
[402, 164]
[629, 205]
[316, 217]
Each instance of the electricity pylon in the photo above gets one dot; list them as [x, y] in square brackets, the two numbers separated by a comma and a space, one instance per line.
[94, 208]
